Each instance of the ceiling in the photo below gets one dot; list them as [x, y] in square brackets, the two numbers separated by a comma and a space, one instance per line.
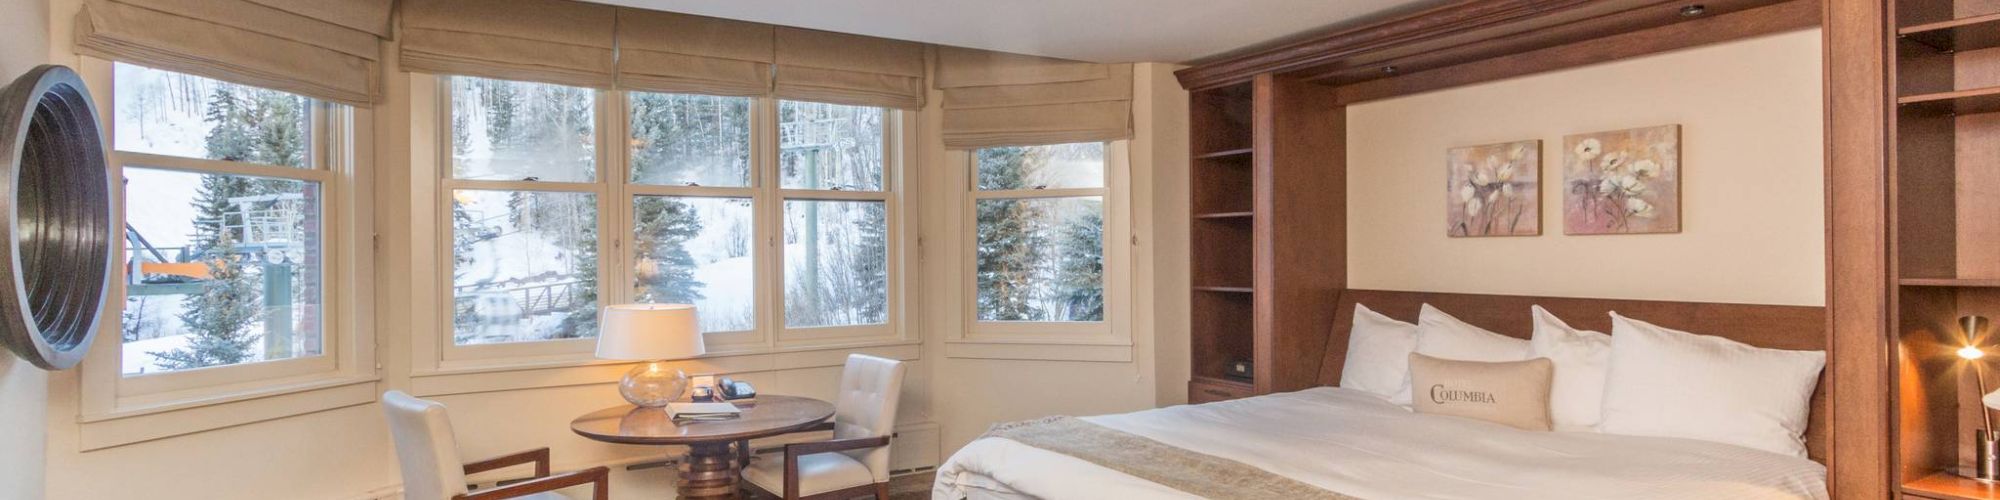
[1088, 30]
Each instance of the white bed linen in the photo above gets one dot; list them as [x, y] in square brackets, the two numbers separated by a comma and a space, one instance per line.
[1361, 445]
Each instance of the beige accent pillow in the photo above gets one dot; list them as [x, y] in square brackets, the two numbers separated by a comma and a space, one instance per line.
[1512, 393]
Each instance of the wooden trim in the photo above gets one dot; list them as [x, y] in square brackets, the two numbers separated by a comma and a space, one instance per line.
[1436, 22]
[1779, 18]
[1858, 97]
[1466, 31]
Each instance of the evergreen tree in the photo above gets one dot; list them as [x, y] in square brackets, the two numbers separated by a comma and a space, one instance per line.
[662, 229]
[219, 317]
[1010, 243]
[1080, 268]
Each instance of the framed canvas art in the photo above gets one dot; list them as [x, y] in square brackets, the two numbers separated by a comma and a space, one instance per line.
[1494, 190]
[1622, 181]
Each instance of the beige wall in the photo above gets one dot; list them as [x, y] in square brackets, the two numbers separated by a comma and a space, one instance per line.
[1751, 134]
[24, 29]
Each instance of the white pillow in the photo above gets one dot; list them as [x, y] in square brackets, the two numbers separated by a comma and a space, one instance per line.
[1444, 337]
[1378, 355]
[1671, 383]
[1576, 396]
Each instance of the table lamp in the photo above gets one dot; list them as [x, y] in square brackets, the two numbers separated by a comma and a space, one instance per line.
[653, 333]
[1985, 445]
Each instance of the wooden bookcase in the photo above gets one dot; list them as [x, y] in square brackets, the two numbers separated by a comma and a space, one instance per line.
[1945, 235]
[1268, 235]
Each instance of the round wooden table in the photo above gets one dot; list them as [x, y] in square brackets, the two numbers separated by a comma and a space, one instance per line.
[709, 469]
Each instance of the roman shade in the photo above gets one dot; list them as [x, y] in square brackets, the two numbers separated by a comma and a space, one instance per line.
[670, 52]
[549, 41]
[325, 49]
[848, 69]
[997, 99]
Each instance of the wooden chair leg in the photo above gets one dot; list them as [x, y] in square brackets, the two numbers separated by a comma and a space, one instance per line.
[881, 491]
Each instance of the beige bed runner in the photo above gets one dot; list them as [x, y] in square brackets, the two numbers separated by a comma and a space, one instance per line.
[1195, 473]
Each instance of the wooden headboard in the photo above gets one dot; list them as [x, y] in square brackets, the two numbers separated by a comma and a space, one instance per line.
[1778, 327]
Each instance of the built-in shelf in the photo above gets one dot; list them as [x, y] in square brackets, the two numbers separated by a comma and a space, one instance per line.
[1957, 35]
[1225, 289]
[1223, 154]
[1221, 380]
[1948, 486]
[1225, 215]
[1963, 102]
[1952, 282]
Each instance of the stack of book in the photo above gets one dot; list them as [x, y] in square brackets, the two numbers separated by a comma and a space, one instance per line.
[702, 411]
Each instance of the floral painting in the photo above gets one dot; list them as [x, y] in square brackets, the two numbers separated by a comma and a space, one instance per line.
[1623, 181]
[1494, 190]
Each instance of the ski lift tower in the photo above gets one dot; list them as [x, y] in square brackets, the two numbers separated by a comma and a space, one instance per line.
[811, 135]
[275, 230]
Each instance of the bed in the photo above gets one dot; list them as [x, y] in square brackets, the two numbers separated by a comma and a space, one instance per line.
[1352, 444]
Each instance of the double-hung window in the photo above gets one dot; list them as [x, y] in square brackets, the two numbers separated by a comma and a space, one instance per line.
[1041, 222]
[774, 218]
[237, 269]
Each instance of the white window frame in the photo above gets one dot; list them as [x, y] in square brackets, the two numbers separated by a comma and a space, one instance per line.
[441, 366]
[601, 188]
[182, 401]
[1107, 340]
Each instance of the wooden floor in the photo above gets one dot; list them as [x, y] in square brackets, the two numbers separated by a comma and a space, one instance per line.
[911, 487]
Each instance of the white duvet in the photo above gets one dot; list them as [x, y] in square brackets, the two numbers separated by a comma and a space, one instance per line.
[1361, 445]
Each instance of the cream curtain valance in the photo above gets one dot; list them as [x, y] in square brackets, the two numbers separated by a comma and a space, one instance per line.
[669, 52]
[325, 49]
[849, 69]
[996, 99]
[550, 41]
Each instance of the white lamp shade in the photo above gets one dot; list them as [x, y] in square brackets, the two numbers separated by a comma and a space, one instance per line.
[645, 332]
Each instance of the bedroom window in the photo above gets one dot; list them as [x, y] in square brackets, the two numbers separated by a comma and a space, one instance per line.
[1038, 226]
[836, 219]
[772, 217]
[522, 206]
[225, 208]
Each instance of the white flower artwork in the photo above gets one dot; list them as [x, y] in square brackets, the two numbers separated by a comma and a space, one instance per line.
[1494, 189]
[1622, 181]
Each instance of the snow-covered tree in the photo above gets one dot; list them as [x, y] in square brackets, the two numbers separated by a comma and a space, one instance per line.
[218, 319]
[662, 229]
[1011, 248]
[1080, 265]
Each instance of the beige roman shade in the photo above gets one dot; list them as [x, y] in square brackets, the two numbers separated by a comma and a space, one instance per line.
[551, 41]
[325, 49]
[849, 69]
[997, 99]
[669, 52]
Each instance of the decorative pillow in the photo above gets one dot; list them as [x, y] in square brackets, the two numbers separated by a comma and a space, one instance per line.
[1441, 336]
[1378, 355]
[1672, 383]
[1581, 357]
[1512, 393]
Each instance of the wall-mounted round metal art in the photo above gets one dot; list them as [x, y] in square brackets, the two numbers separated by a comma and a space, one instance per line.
[55, 218]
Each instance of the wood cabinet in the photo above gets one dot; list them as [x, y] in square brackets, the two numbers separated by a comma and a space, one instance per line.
[1268, 234]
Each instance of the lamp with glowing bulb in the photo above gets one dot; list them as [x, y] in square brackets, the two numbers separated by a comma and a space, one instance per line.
[653, 333]
[1987, 467]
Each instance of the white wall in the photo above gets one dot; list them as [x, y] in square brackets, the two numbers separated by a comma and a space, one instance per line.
[1751, 143]
[24, 30]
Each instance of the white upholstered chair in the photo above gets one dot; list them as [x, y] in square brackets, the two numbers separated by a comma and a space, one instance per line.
[856, 461]
[428, 453]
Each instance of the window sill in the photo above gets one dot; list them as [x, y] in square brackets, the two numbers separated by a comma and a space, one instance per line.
[1089, 350]
[575, 372]
[130, 424]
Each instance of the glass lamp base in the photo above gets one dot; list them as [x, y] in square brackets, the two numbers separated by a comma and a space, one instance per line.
[653, 384]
